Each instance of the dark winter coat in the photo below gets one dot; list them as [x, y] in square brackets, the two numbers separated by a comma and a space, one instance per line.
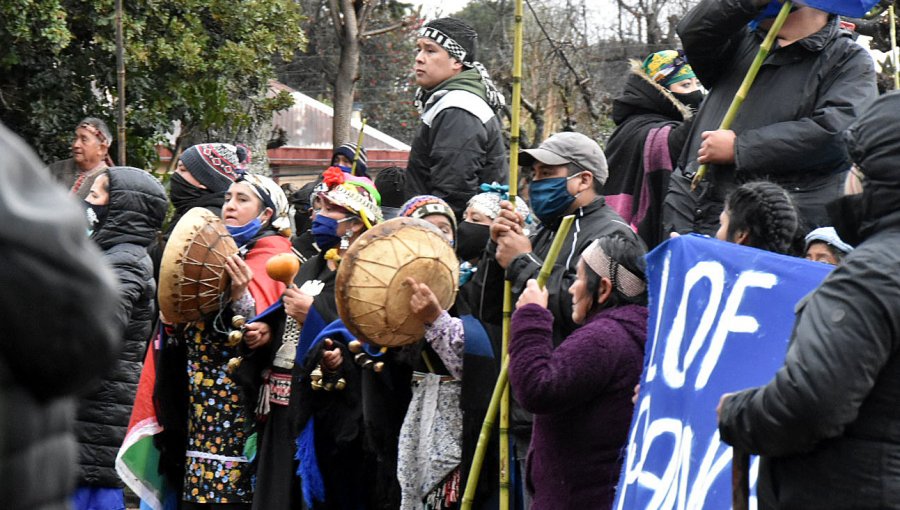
[651, 129]
[788, 129]
[580, 394]
[137, 207]
[458, 145]
[58, 303]
[484, 292]
[828, 425]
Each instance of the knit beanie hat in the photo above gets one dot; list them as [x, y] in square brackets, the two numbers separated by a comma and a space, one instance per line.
[348, 150]
[454, 35]
[390, 183]
[461, 42]
[426, 205]
[667, 67]
[215, 165]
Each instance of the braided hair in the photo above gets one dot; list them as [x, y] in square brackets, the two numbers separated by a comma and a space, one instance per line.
[766, 213]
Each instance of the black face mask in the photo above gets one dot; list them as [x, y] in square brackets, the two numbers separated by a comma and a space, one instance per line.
[184, 194]
[471, 240]
[96, 216]
[691, 99]
[847, 214]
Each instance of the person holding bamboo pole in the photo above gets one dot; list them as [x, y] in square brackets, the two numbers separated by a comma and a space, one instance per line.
[569, 170]
[459, 143]
[580, 391]
[812, 85]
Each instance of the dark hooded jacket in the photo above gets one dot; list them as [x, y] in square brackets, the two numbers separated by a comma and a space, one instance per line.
[828, 425]
[651, 128]
[789, 126]
[58, 302]
[458, 145]
[137, 207]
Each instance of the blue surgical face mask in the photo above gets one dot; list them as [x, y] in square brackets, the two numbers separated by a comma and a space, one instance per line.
[324, 231]
[550, 198]
[244, 233]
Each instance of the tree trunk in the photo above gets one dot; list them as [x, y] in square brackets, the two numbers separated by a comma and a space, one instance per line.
[347, 75]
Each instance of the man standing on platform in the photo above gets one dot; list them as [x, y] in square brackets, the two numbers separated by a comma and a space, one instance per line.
[459, 143]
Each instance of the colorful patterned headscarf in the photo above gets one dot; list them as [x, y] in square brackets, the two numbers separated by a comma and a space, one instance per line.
[488, 204]
[273, 197]
[356, 194]
[667, 67]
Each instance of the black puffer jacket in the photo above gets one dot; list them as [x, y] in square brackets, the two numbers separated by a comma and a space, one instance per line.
[788, 129]
[137, 206]
[828, 425]
[458, 145]
[57, 303]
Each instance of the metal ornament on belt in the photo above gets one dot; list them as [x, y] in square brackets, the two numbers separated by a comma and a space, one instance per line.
[370, 290]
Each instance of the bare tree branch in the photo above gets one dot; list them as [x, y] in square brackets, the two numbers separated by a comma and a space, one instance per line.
[384, 30]
[335, 11]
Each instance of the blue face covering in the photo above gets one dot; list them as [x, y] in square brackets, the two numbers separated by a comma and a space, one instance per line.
[550, 198]
[244, 233]
[324, 231]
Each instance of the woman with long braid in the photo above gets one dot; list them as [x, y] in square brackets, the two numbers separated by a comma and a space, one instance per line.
[762, 215]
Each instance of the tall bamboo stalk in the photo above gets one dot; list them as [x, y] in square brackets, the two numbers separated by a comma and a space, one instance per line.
[359, 141]
[502, 386]
[507, 286]
[120, 74]
[741, 94]
[894, 46]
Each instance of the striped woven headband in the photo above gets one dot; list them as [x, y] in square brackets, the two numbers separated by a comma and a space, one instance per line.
[622, 279]
[453, 48]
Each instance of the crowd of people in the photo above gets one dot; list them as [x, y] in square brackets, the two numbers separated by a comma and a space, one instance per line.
[291, 414]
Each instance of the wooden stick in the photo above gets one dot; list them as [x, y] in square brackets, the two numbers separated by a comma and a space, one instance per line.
[741, 94]
[740, 480]
[359, 141]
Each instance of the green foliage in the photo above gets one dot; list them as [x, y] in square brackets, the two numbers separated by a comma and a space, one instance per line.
[203, 63]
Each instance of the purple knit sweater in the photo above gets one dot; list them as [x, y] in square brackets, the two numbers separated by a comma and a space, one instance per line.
[580, 394]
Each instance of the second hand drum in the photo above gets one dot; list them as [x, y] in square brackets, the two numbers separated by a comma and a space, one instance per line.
[370, 290]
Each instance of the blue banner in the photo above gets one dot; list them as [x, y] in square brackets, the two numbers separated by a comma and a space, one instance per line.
[720, 319]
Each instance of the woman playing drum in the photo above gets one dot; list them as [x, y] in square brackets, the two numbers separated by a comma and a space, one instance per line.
[211, 419]
[347, 207]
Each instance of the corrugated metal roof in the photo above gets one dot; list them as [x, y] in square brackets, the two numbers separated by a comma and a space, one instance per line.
[308, 124]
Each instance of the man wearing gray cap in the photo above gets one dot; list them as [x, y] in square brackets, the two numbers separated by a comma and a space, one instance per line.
[569, 170]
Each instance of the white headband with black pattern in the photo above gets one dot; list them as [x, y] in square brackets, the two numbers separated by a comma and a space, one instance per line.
[453, 48]
[622, 279]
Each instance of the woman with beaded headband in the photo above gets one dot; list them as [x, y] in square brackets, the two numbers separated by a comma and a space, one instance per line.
[349, 206]
[438, 419]
[580, 392]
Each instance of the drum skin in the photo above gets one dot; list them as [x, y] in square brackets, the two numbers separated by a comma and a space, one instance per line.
[192, 276]
[370, 290]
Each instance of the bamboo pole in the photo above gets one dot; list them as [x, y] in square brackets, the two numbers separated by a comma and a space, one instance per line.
[516, 108]
[502, 386]
[120, 74]
[894, 46]
[359, 141]
[741, 94]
